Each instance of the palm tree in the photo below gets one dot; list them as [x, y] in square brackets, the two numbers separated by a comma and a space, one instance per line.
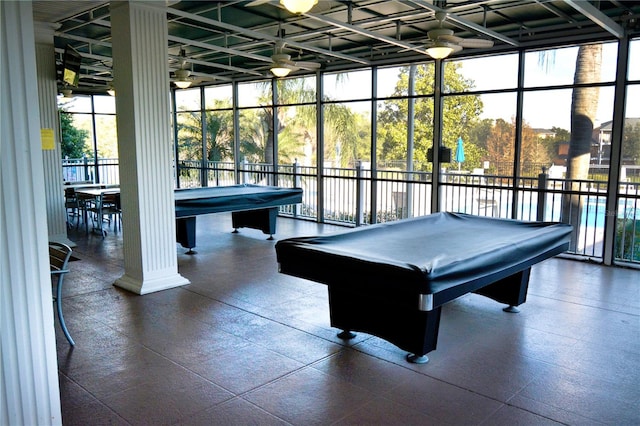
[584, 106]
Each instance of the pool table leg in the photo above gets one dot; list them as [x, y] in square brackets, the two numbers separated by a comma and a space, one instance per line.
[346, 335]
[261, 219]
[392, 317]
[186, 233]
[511, 290]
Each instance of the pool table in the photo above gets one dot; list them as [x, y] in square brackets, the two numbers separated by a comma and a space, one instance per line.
[392, 279]
[252, 206]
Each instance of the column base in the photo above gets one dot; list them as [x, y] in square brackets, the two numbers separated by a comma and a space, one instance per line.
[152, 285]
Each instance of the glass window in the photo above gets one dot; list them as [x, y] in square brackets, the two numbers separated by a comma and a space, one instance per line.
[557, 66]
[394, 81]
[391, 82]
[489, 73]
[256, 135]
[347, 85]
[219, 135]
[254, 94]
[634, 60]
[391, 133]
[77, 103]
[188, 99]
[218, 97]
[104, 104]
[106, 136]
[297, 135]
[347, 133]
[627, 240]
[189, 135]
[546, 125]
[296, 90]
[462, 121]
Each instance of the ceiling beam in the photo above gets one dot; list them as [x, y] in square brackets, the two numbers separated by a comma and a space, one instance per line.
[464, 23]
[595, 15]
[262, 36]
[189, 42]
[366, 33]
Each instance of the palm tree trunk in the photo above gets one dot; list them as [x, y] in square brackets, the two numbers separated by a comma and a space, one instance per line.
[584, 106]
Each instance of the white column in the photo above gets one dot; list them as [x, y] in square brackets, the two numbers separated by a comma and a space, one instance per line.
[141, 79]
[29, 378]
[51, 155]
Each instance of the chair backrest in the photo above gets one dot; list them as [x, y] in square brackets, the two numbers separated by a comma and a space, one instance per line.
[59, 255]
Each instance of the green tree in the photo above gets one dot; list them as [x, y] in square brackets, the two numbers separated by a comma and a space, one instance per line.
[74, 141]
[218, 129]
[460, 115]
[297, 126]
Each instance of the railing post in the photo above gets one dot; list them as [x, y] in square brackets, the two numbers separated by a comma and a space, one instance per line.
[204, 173]
[542, 193]
[359, 194]
[245, 173]
[296, 184]
[85, 161]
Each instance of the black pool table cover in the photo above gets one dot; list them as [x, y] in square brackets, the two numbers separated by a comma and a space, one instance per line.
[251, 206]
[423, 263]
[217, 199]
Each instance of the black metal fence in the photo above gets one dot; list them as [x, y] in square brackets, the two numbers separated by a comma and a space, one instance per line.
[358, 196]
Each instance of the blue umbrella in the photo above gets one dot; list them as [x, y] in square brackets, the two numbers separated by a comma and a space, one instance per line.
[460, 153]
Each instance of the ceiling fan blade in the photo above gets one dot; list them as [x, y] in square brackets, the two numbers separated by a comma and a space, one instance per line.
[450, 38]
[257, 3]
[475, 43]
[306, 65]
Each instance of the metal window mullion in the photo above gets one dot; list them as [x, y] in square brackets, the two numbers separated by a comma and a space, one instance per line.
[236, 132]
[617, 133]
[275, 124]
[374, 147]
[319, 147]
[96, 168]
[204, 178]
[437, 136]
[518, 131]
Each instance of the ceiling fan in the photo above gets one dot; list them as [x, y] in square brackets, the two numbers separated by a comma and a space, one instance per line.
[443, 42]
[282, 64]
[183, 77]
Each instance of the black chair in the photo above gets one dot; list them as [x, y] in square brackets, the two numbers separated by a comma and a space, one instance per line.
[59, 255]
[73, 207]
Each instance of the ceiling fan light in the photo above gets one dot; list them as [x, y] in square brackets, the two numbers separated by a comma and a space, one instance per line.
[67, 93]
[440, 50]
[298, 6]
[182, 78]
[182, 84]
[280, 71]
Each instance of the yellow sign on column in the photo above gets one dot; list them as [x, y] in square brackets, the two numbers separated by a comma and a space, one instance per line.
[47, 138]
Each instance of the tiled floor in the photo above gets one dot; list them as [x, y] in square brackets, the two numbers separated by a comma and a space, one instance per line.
[243, 344]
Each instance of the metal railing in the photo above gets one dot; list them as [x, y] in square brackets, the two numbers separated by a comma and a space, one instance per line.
[359, 196]
[104, 170]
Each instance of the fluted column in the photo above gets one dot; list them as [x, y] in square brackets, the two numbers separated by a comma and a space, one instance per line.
[51, 154]
[29, 378]
[141, 79]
